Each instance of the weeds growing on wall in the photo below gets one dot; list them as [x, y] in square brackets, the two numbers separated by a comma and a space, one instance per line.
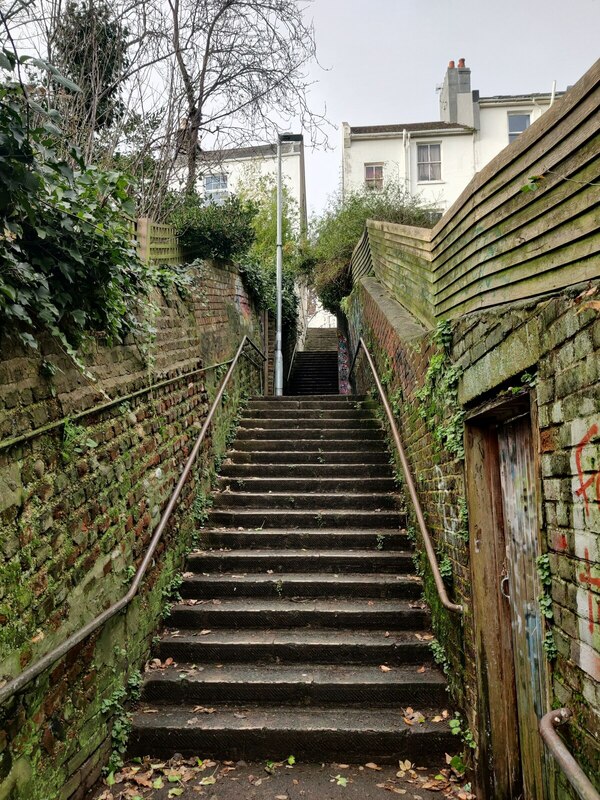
[438, 396]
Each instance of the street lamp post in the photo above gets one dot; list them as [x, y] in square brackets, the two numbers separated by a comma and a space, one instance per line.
[278, 382]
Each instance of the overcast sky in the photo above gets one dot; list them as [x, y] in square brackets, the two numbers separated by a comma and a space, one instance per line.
[384, 59]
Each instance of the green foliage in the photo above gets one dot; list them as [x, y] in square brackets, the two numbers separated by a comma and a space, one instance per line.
[258, 266]
[337, 232]
[201, 507]
[458, 729]
[445, 565]
[113, 706]
[544, 571]
[463, 518]
[69, 265]
[170, 594]
[439, 656]
[549, 645]
[438, 396]
[545, 575]
[75, 441]
[210, 230]
[90, 47]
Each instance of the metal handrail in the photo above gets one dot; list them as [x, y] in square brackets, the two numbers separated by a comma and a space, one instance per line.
[429, 549]
[16, 684]
[292, 362]
[575, 775]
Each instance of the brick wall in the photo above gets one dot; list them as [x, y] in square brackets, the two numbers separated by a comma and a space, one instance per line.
[78, 504]
[558, 341]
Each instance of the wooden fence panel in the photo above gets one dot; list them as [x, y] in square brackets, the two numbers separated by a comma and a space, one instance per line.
[498, 244]
[158, 242]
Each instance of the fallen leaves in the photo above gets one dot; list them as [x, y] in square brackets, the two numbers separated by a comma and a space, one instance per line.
[412, 717]
[156, 663]
[389, 787]
[384, 668]
[372, 765]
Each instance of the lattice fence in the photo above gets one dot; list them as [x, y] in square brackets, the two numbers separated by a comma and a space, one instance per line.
[157, 242]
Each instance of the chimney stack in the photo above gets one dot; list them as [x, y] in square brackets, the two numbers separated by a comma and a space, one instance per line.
[457, 103]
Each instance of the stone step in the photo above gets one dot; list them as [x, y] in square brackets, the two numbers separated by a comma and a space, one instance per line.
[267, 614]
[306, 684]
[344, 484]
[301, 584]
[266, 518]
[301, 645]
[284, 538]
[316, 457]
[326, 444]
[331, 388]
[302, 500]
[323, 472]
[342, 399]
[368, 432]
[327, 405]
[291, 415]
[339, 561]
[359, 422]
[251, 732]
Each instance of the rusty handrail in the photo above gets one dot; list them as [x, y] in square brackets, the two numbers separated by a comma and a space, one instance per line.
[433, 563]
[16, 684]
[575, 775]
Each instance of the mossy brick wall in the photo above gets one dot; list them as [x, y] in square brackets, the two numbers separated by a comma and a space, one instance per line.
[78, 505]
[558, 340]
[402, 349]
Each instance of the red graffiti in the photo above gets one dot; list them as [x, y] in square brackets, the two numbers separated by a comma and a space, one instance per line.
[561, 542]
[586, 577]
[584, 485]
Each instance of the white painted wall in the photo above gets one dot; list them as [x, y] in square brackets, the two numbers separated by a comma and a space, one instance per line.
[457, 165]
[492, 136]
[457, 169]
[462, 154]
[245, 171]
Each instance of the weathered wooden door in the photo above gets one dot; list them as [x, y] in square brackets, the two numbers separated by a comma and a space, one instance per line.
[504, 543]
[519, 499]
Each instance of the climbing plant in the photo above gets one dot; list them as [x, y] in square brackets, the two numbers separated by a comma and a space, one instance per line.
[439, 395]
[68, 265]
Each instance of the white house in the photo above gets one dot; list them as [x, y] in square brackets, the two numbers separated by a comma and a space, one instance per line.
[436, 160]
[225, 171]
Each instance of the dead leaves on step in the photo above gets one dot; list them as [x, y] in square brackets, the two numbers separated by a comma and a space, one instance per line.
[176, 776]
[150, 779]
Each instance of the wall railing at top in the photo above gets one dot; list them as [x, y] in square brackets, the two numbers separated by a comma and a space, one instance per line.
[498, 243]
[157, 242]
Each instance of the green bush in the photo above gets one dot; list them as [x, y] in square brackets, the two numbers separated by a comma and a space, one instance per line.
[67, 260]
[258, 267]
[337, 231]
[210, 230]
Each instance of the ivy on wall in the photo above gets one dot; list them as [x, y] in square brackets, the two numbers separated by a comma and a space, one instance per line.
[68, 262]
[440, 408]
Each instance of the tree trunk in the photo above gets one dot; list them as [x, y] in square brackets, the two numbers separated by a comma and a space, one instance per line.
[192, 153]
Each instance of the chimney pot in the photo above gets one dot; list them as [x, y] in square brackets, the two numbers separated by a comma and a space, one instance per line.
[461, 62]
[451, 65]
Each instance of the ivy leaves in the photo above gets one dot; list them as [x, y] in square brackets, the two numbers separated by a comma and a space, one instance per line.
[439, 395]
[67, 260]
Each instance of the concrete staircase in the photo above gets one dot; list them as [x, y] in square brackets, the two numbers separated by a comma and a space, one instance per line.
[300, 630]
[315, 369]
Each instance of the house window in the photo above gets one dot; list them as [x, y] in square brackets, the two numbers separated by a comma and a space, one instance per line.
[429, 162]
[517, 123]
[374, 176]
[215, 187]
